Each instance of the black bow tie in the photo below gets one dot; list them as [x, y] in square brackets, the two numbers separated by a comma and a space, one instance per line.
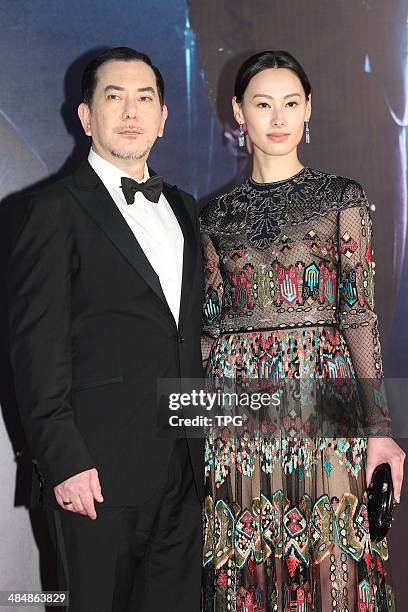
[151, 189]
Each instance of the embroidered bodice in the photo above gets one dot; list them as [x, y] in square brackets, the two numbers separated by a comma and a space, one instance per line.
[296, 253]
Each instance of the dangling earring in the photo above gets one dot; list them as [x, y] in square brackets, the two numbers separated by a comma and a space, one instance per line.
[307, 132]
[241, 136]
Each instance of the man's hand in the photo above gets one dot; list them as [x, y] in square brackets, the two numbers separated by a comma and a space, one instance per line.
[385, 450]
[80, 491]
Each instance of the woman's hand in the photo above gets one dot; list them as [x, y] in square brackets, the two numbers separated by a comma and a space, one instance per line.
[385, 450]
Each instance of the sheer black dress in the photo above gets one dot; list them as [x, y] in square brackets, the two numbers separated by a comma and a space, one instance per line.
[290, 308]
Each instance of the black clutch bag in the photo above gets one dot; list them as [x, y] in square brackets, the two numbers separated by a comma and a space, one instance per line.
[381, 502]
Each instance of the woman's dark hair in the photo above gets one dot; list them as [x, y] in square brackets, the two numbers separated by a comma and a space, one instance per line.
[124, 54]
[268, 59]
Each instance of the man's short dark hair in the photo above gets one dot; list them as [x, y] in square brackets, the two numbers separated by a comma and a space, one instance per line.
[124, 54]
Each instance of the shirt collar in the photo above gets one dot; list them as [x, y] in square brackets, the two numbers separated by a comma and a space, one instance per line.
[110, 174]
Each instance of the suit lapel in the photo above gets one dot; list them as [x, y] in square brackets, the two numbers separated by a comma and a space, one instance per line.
[91, 193]
[95, 199]
[175, 200]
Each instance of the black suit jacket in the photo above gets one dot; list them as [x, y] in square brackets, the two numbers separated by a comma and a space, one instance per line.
[91, 333]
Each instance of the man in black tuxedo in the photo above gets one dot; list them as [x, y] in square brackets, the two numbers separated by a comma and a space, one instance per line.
[105, 291]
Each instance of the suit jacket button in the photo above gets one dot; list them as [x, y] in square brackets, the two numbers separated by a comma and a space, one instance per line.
[181, 339]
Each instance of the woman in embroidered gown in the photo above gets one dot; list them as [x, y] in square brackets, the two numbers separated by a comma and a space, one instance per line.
[289, 302]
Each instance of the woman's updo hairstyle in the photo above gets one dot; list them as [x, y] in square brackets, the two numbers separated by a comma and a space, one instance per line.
[268, 59]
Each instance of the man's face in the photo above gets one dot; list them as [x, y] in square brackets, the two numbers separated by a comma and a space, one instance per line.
[125, 116]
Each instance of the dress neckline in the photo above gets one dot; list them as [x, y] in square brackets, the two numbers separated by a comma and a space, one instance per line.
[259, 186]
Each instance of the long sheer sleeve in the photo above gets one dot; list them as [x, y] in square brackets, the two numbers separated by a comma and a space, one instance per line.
[357, 316]
[213, 294]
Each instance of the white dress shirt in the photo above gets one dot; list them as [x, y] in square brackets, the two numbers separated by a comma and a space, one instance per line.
[154, 226]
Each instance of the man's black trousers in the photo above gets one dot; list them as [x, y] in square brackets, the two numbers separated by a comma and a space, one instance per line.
[136, 559]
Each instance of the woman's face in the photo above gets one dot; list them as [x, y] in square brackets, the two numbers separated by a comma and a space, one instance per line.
[274, 109]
